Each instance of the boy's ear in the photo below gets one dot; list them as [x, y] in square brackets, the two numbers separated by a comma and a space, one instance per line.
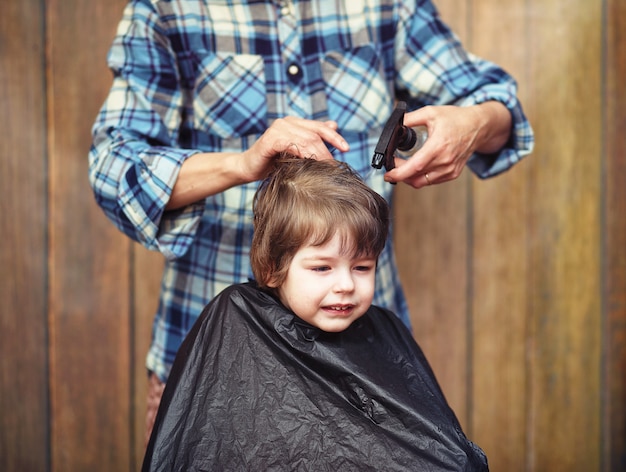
[272, 281]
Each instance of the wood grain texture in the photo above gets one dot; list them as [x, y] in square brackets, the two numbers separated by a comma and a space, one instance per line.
[614, 226]
[89, 268]
[431, 233]
[499, 271]
[24, 411]
[564, 406]
[148, 268]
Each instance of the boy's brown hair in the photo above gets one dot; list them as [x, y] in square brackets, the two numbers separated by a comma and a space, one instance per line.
[305, 201]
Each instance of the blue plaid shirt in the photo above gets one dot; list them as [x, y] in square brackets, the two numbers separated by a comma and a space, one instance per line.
[210, 76]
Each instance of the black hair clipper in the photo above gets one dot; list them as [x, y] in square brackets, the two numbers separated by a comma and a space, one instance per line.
[394, 136]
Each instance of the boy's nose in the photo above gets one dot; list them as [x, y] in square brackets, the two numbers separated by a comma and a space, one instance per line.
[344, 282]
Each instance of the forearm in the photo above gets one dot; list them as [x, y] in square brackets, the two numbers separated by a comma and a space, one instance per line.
[203, 175]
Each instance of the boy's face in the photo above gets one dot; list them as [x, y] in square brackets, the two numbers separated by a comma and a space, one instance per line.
[326, 288]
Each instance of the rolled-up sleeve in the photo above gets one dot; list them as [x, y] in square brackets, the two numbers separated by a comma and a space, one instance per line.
[134, 159]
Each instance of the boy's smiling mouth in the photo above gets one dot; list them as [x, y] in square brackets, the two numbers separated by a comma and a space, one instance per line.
[340, 309]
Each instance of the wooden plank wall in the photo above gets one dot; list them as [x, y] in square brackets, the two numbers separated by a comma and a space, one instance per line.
[614, 238]
[89, 263]
[24, 409]
[517, 285]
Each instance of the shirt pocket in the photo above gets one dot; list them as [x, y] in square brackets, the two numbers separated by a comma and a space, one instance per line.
[229, 95]
[358, 97]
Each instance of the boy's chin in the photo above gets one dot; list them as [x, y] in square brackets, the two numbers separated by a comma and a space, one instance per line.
[335, 325]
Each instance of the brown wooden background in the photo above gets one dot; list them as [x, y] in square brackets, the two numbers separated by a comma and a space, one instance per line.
[517, 284]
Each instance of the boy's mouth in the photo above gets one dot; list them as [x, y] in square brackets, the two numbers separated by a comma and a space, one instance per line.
[340, 309]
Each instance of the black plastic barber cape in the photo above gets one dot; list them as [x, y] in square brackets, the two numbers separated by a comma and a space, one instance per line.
[254, 388]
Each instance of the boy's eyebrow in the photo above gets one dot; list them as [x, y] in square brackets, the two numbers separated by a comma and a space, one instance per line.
[318, 257]
[322, 257]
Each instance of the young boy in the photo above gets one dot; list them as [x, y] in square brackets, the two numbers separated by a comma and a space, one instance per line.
[297, 370]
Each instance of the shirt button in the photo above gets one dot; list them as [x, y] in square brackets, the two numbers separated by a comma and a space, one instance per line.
[293, 70]
[285, 10]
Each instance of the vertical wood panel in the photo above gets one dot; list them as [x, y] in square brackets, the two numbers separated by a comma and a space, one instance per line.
[431, 248]
[148, 267]
[500, 263]
[615, 239]
[89, 270]
[23, 329]
[564, 414]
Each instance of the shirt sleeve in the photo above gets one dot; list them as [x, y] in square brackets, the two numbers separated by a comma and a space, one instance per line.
[134, 160]
[434, 69]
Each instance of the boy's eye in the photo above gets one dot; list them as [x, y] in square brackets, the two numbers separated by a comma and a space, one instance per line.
[320, 268]
[364, 268]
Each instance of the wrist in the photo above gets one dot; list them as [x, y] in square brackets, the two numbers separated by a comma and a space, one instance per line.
[494, 122]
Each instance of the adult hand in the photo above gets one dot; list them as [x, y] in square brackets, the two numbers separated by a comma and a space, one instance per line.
[297, 136]
[205, 174]
[454, 134]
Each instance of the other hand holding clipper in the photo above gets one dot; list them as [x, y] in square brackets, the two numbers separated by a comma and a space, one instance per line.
[454, 135]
